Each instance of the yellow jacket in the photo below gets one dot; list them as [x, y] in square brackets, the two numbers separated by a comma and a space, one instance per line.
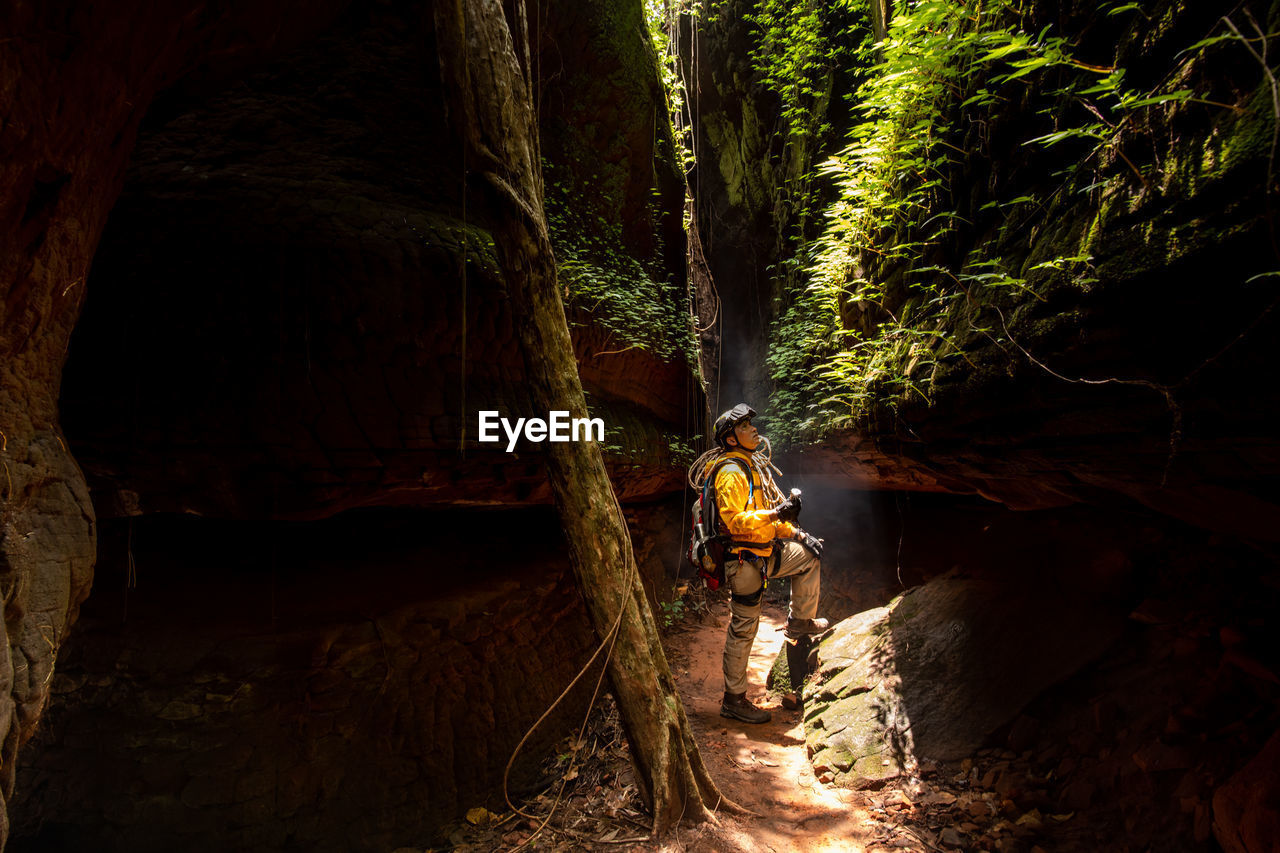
[743, 513]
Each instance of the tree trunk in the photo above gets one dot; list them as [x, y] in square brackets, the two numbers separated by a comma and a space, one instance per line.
[490, 92]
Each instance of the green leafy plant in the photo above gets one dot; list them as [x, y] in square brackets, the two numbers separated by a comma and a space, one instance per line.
[629, 297]
[672, 612]
[895, 269]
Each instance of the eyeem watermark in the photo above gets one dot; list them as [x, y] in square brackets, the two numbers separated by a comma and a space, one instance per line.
[557, 427]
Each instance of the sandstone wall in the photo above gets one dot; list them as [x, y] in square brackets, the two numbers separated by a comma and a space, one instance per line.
[274, 327]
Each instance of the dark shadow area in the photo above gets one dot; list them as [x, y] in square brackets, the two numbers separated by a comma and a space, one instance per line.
[350, 684]
[1110, 669]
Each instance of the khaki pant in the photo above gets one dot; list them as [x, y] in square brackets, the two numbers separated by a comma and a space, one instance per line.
[789, 559]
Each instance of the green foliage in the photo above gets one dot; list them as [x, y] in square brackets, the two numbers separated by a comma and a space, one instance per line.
[893, 270]
[662, 17]
[796, 53]
[687, 600]
[628, 297]
[805, 52]
[672, 612]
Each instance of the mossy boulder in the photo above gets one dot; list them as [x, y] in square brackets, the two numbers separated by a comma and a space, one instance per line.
[937, 670]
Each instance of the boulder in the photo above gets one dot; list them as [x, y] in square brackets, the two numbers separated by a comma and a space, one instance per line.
[941, 667]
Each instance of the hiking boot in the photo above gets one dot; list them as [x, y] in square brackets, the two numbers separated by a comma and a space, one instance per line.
[736, 706]
[805, 627]
[793, 702]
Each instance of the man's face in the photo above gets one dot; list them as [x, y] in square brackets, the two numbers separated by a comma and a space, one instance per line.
[747, 435]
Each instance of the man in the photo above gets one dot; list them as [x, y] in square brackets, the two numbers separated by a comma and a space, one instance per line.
[766, 544]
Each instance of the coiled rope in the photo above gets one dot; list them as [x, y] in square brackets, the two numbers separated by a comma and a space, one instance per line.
[762, 458]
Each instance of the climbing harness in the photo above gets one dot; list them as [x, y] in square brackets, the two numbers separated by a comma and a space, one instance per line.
[708, 545]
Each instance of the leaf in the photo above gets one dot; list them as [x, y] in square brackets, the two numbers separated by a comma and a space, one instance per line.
[1070, 133]
[1203, 43]
[480, 816]
[1180, 95]
[1002, 52]
[1022, 199]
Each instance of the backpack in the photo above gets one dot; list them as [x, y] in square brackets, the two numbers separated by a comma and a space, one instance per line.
[706, 543]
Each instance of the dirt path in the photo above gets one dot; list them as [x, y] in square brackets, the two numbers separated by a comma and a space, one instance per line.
[764, 767]
[596, 807]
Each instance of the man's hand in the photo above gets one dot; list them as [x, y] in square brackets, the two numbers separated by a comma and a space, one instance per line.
[789, 510]
[812, 543]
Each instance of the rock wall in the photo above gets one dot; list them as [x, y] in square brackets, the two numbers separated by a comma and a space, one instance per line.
[351, 684]
[294, 311]
[1130, 691]
[297, 308]
[754, 197]
[77, 81]
[1141, 377]
[1139, 374]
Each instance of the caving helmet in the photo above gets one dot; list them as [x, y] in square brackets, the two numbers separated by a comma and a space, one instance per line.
[730, 419]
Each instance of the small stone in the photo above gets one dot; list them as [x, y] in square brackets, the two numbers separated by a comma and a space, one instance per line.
[952, 837]
[1009, 785]
[897, 799]
[480, 816]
